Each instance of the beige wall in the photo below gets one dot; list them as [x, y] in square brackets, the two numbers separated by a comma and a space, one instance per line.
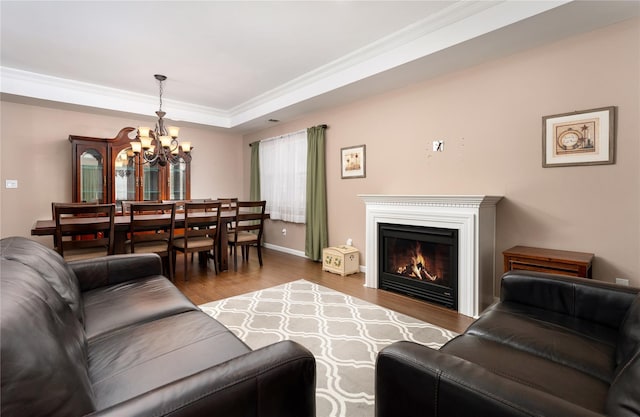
[35, 151]
[490, 119]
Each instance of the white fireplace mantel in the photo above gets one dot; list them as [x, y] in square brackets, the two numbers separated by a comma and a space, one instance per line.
[474, 218]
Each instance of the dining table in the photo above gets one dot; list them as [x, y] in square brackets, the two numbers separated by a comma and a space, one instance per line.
[47, 227]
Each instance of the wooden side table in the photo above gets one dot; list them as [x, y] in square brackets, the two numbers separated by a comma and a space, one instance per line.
[577, 264]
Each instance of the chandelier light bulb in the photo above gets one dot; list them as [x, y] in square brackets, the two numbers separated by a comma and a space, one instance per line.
[173, 131]
[136, 147]
[143, 131]
[165, 141]
[146, 142]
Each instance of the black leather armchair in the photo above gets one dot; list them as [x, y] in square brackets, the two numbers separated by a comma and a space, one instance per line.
[552, 346]
[111, 336]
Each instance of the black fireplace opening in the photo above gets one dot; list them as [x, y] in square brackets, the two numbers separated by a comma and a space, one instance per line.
[419, 261]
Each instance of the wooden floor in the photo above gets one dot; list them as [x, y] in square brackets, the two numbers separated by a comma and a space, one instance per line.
[204, 285]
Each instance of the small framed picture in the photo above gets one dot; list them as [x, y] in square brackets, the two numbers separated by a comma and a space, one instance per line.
[579, 138]
[353, 162]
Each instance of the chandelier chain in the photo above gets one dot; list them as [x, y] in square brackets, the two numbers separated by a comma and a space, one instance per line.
[161, 90]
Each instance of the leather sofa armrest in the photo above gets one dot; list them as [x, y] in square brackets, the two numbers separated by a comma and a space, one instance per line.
[415, 380]
[596, 301]
[277, 380]
[108, 270]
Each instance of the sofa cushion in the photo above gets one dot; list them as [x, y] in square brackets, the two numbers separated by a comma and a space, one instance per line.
[138, 359]
[43, 353]
[590, 329]
[624, 393]
[591, 300]
[629, 339]
[547, 339]
[531, 370]
[49, 264]
[132, 302]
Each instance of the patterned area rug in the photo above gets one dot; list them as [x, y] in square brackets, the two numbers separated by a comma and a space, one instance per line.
[344, 333]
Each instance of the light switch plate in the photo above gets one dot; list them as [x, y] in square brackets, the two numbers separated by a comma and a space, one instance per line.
[11, 184]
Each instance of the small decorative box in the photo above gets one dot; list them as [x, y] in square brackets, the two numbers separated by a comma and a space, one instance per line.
[343, 260]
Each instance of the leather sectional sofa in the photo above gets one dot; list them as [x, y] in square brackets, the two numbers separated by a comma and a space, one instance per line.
[112, 336]
[552, 346]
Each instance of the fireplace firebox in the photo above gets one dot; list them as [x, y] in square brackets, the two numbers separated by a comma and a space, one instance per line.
[419, 261]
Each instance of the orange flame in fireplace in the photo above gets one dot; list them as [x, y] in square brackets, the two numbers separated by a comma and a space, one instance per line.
[417, 268]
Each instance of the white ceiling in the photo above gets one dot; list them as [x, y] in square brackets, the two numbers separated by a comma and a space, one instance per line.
[236, 64]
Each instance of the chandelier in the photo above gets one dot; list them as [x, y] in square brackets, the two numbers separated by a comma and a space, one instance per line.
[160, 145]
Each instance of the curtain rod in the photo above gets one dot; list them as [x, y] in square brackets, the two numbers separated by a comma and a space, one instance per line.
[324, 126]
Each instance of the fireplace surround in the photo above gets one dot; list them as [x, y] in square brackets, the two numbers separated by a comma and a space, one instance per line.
[472, 216]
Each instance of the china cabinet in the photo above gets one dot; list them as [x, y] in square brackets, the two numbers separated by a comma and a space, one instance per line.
[107, 171]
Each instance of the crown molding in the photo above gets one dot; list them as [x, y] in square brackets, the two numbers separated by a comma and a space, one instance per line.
[453, 25]
[46, 87]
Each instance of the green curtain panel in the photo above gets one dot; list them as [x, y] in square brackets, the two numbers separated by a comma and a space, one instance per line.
[254, 188]
[316, 216]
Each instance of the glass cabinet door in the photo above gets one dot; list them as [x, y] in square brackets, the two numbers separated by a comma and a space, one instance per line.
[92, 176]
[151, 176]
[124, 177]
[178, 181]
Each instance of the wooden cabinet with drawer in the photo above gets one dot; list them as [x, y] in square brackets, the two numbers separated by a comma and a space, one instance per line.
[577, 264]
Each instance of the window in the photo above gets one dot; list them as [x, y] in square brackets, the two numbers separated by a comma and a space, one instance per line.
[283, 176]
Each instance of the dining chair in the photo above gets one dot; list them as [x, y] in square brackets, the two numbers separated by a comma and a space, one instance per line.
[201, 222]
[247, 229]
[179, 204]
[228, 203]
[126, 206]
[53, 215]
[151, 229]
[200, 200]
[84, 231]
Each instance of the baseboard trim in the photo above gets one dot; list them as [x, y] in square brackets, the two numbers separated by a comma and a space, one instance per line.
[285, 250]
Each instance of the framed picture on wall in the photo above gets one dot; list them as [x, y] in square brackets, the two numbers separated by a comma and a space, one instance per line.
[579, 138]
[353, 162]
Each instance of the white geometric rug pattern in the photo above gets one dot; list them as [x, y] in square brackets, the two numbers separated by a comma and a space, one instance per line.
[344, 334]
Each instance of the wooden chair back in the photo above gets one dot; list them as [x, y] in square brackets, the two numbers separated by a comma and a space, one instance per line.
[201, 219]
[84, 227]
[250, 217]
[126, 206]
[247, 229]
[200, 200]
[179, 204]
[152, 222]
[228, 203]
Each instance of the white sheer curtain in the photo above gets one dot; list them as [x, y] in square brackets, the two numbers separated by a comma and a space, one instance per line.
[283, 176]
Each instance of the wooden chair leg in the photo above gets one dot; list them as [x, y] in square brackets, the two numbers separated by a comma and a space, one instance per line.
[169, 258]
[185, 265]
[235, 257]
[215, 260]
[174, 255]
[259, 248]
